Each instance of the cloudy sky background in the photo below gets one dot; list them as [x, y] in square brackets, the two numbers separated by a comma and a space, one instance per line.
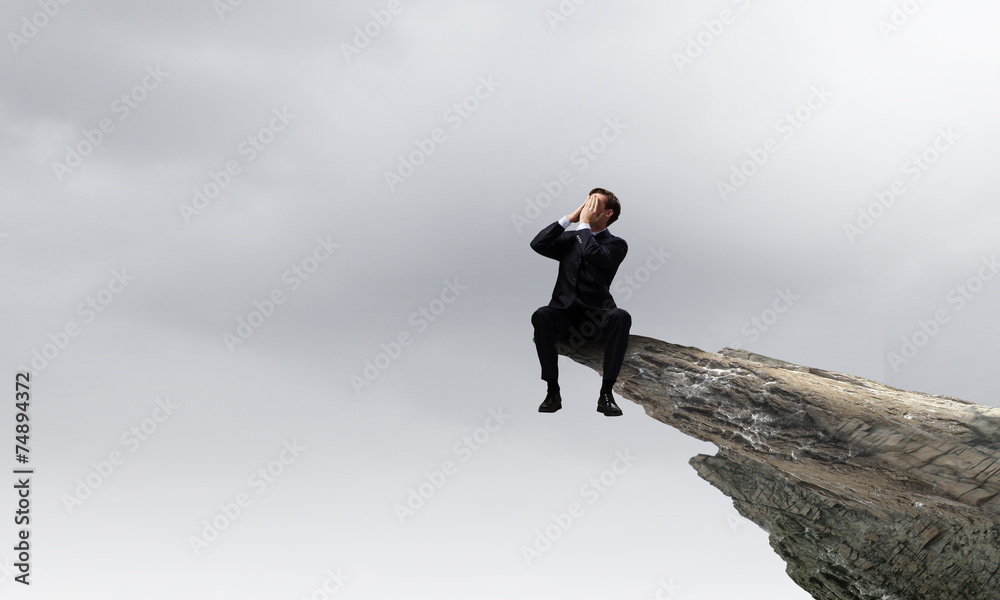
[869, 95]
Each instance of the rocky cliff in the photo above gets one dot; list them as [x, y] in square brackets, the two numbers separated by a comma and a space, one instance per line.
[867, 491]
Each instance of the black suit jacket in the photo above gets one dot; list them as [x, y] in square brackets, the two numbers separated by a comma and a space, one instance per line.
[587, 264]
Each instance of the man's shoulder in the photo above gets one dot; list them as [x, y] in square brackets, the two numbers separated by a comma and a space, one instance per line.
[614, 238]
[613, 241]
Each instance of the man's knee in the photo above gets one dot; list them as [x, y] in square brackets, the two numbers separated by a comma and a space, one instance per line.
[620, 315]
[542, 317]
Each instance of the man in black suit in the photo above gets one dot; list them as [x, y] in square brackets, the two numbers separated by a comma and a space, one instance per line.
[581, 306]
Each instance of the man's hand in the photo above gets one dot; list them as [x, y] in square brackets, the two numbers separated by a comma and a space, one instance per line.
[573, 218]
[578, 214]
[590, 209]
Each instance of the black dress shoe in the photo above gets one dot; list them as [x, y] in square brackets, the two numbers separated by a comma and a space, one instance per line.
[606, 404]
[552, 403]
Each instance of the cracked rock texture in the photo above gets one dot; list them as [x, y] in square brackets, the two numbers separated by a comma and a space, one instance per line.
[866, 491]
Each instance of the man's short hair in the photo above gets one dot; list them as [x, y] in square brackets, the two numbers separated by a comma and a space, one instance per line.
[612, 203]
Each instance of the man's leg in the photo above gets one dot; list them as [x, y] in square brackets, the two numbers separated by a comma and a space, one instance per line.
[614, 330]
[550, 324]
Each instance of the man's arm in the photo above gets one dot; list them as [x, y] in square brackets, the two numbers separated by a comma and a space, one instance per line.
[604, 256]
[547, 243]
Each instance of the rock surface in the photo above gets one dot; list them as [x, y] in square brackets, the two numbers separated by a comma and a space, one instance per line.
[867, 492]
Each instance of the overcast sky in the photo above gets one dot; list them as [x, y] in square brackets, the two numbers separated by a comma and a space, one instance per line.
[293, 237]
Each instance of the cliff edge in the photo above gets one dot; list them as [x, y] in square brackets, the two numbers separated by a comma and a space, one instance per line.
[867, 492]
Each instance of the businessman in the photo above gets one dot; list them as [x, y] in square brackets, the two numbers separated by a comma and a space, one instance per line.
[581, 306]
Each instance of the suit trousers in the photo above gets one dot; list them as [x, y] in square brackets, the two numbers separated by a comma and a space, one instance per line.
[576, 325]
